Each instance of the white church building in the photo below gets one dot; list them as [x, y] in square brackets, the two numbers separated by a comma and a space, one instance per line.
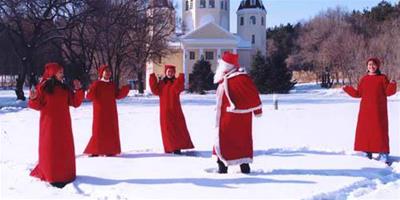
[206, 34]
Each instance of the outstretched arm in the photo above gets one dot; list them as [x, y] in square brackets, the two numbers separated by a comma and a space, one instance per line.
[180, 83]
[76, 97]
[154, 84]
[391, 88]
[36, 99]
[122, 92]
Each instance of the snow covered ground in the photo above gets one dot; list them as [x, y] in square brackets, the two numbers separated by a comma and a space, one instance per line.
[302, 151]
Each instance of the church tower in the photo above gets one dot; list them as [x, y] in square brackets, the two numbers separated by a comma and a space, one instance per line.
[196, 13]
[251, 24]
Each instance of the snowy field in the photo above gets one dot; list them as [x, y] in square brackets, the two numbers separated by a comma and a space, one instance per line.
[302, 151]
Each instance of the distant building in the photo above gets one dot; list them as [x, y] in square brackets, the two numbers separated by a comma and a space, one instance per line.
[206, 34]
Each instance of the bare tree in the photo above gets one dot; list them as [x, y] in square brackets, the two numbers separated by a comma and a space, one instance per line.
[30, 25]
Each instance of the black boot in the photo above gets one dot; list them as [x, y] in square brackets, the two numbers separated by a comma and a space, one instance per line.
[369, 155]
[58, 184]
[222, 169]
[93, 155]
[245, 168]
[177, 152]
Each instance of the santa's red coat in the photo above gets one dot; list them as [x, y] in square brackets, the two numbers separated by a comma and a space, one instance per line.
[237, 100]
[175, 135]
[56, 143]
[372, 127]
[105, 130]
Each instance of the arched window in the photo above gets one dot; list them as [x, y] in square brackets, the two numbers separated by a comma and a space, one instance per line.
[253, 20]
[253, 39]
[187, 5]
[191, 4]
[241, 21]
[262, 21]
[211, 3]
[222, 5]
[202, 3]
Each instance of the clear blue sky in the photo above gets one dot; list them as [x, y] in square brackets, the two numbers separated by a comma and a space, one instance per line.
[293, 11]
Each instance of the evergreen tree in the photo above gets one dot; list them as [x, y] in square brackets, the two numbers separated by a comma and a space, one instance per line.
[201, 78]
[271, 75]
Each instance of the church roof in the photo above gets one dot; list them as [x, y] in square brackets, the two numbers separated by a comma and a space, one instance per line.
[251, 4]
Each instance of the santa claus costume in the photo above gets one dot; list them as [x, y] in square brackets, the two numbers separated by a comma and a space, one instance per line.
[56, 144]
[237, 100]
[105, 131]
[175, 135]
[372, 126]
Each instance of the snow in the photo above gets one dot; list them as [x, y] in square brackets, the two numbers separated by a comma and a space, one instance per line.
[302, 151]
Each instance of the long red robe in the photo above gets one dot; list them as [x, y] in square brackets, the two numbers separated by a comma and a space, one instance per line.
[175, 135]
[237, 100]
[372, 126]
[105, 130]
[56, 143]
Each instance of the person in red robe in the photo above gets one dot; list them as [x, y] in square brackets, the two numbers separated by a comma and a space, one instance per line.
[237, 100]
[105, 130]
[175, 135]
[52, 98]
[372, 126]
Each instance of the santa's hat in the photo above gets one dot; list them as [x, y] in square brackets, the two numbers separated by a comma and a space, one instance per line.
[168, 66]
[101, 69]
[231, 59]
[50, 69]
[376, 61]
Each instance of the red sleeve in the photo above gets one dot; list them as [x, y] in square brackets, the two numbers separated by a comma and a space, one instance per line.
[39, 102]
[76, 98]
[244, 95]
[123, 92]
[91, 94]
[391, 87]
[356, 93]
[179, 84]
[154, 84]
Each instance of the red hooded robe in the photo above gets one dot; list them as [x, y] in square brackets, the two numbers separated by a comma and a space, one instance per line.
[105, 130]
[175, 135]
[372, 126]
[56, 144]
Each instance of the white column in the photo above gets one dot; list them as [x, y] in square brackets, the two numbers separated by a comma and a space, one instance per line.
[185, 69]
[201, 53]
[149, 70]
[218, 53]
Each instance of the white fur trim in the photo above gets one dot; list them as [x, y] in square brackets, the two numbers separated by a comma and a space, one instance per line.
[229, 109]
[104, 80]
[227, 64]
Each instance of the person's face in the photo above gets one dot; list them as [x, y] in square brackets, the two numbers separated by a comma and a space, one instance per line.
[60, 75]
[372, 67]
[107, 74]
[170, 73]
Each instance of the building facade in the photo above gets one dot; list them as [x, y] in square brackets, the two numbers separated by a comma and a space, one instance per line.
[205, 33]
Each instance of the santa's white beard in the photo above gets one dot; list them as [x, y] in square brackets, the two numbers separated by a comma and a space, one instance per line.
[222, 68]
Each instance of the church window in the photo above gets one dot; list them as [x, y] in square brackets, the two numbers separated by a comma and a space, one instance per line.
[241, 21]
[191, 4]
[211, 3]
[209, 55]
[192, 55]
[253, 2]
[262, 21]
[226, 5]
[253, 20]
[202, 3]
[187, 5]
[253, 39]
[222, 5]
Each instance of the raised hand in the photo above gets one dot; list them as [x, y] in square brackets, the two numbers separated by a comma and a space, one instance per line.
[33, 94]
[77, 84]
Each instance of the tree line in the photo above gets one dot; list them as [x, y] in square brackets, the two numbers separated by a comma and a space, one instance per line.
[81, 35]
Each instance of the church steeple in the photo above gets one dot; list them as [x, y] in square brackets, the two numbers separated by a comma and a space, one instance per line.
[251, 4]
[196, 13]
